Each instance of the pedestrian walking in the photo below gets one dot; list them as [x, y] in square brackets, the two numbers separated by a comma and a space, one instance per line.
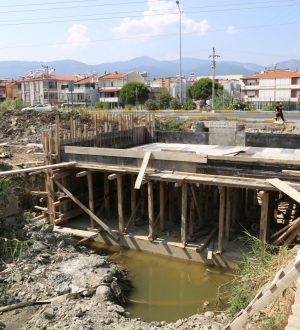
[279, 111]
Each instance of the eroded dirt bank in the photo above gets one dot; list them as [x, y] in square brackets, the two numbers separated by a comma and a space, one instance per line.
[78, 289]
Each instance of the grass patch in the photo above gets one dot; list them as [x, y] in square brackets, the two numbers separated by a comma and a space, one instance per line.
[254, 272]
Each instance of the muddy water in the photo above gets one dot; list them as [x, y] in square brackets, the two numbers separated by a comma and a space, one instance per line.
[167, 289]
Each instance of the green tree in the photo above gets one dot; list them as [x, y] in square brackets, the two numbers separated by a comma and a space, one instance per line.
[164, 100]
[134, 91]
[202, 89]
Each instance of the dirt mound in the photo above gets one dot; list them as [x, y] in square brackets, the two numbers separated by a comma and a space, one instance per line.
[22, 127]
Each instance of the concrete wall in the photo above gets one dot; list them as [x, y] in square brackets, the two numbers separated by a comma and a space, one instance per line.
[181, 137]
[272, 140]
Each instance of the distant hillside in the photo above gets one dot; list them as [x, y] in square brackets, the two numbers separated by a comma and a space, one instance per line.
[156, 68]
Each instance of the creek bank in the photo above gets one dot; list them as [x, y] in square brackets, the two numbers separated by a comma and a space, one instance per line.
[82, 289]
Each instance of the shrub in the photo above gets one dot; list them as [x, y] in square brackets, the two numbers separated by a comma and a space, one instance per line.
[190, 106]
[11, 104]
[151, 105]
[175, 104]
[101, 105]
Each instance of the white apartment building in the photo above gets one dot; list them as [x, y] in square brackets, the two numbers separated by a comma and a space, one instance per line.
[271, 86]
[46, 89]
[110, 85]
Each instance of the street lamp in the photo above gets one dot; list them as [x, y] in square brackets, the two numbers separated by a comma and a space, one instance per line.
[180, 53]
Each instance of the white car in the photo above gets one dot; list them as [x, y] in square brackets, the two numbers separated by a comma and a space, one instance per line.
[39, 107]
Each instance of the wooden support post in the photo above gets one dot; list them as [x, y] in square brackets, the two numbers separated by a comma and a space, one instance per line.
[184, 213]
[151, 210]
[195, 202]
[264, 217]
[222, 208]
[201, 206]
[171, 202]
[161, 206]
[91, 196]
[120, 204]
[106, 196]
[228, 213]
[86, 210]
[143, 201]
[192, 218]
[133, 200]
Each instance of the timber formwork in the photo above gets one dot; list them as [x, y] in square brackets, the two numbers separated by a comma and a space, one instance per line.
[195, 196]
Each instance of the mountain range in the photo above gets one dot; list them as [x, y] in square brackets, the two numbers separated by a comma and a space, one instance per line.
[155, 68]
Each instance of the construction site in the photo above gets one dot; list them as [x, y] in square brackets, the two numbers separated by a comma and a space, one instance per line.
[115, 179]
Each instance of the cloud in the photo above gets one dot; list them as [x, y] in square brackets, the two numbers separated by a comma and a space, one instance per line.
[77, 37]
[231, 29]
[159, 18]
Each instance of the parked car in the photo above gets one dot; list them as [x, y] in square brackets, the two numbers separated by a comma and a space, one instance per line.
[40, 107]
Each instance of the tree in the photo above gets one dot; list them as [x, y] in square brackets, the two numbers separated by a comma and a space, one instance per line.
[134, 92]
[202, 89]
[164, 100]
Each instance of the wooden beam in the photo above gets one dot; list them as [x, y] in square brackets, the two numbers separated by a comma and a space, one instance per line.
[86, 210]
[120, 204]
[91, 196]
[142, 171]
[133, 199]
[81, 174]
[151, 210]
[38, 168]
[285, 188]
[184, 213]
[228, 213]
[222, 209]
[162, 206]
[264, 217]
[106, 196]
[139, 154]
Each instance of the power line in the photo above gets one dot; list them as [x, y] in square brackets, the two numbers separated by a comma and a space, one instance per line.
[99, 17]
[143, 2]
[143, 36]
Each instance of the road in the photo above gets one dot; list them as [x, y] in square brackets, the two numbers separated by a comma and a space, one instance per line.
[291, 117]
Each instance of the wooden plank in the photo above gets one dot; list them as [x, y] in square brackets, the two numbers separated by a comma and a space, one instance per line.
[139, 154]
[151, 210]
[38, 168]
[133, 199]
[222, 210]
[74, 232]
[106, 195]
[91, 196]
[264, 217]
[184, 213]
[162, 206]
[120, 204]
[86, 210]
[207, 240]
[285, 188]
[142, 171]
[228, 213]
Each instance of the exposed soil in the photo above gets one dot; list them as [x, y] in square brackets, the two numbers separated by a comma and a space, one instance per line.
[82, 289]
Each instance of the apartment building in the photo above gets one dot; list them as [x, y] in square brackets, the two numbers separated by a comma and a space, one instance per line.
[110, 85]
[46, 89]
[83, 92]
[267, 87]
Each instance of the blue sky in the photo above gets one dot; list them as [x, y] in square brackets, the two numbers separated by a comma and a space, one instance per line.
[97, 31]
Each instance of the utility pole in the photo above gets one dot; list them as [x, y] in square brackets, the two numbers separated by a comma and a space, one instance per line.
[214, 56]
[180, 52]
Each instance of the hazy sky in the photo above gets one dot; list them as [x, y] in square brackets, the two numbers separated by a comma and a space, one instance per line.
[97, 31]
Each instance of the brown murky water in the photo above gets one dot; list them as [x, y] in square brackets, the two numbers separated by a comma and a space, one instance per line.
[167, 289]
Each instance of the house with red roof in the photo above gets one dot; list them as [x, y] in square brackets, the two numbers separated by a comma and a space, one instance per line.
[110, 85]
[268, 87]
[46, 88]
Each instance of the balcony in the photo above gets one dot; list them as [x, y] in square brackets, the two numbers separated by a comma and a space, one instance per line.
[250, 87]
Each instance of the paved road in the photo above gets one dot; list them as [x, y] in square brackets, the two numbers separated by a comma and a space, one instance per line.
[292, 117]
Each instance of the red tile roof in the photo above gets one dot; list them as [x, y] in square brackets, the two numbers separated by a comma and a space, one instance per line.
[275, 74]
[113, 76]
[55, 77]
[87, 80]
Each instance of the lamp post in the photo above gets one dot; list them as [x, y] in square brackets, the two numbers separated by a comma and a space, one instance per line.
[180, 53]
